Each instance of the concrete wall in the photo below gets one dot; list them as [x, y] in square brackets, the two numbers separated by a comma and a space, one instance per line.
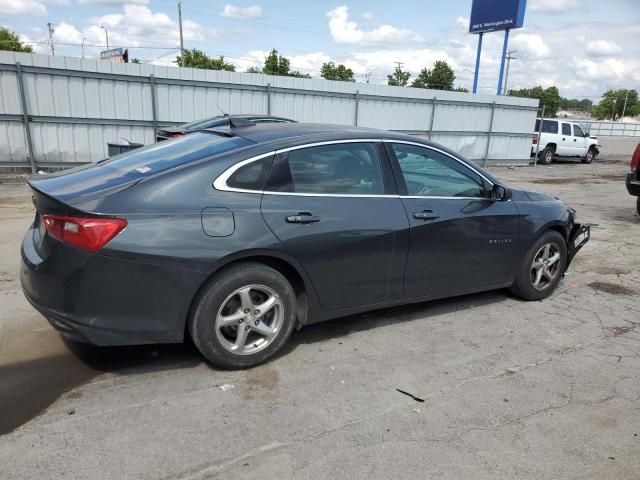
[75, 106]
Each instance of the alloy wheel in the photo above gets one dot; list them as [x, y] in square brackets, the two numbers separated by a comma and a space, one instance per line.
[545, 266]
[249, 319]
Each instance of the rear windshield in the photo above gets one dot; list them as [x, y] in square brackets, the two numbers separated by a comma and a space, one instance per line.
[548, 126]
[173, 153]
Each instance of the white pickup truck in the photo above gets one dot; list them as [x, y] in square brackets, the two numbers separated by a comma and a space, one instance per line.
[563, 139]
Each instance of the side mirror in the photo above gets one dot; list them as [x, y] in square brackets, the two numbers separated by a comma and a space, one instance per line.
[501, 193]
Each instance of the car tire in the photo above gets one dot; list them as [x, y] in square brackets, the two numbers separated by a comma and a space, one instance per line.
[638, 205]
[230, 301]
[546, 156]
[589, 156]
[525, 285]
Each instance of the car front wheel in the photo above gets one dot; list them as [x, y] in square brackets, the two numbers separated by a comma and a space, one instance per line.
[589, 156]
[243, 316]
[542, 267]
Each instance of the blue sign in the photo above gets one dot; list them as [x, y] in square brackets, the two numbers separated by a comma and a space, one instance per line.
[114, 52]
[493, 15]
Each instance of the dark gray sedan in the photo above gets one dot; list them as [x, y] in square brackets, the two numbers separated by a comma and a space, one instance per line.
[237, 235]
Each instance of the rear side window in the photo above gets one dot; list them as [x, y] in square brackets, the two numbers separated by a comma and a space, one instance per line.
[566, 129]
[548, 126]
[347, 168]
[166, 155]
[252, 176]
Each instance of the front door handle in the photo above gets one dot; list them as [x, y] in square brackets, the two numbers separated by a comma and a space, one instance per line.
[426, 215]
[302, 217]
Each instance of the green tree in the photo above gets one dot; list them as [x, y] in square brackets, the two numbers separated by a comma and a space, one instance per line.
[574, 104]
[195, 58]
[549, 97]
[612, 104]
[275, 64]
[440, 77]
[398, 78]
[330, 71]
[460, 88]
[253, 70]
[10, 41]
[135, 60]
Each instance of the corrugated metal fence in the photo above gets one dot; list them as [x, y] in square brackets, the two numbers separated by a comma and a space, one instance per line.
[610, 129]
[62, 111]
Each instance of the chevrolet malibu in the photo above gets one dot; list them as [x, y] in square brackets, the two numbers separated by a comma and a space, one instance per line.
[236, 236]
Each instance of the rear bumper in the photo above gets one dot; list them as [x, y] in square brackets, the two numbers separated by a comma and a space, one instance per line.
[633, 183]
[578, 238]
[106, 300]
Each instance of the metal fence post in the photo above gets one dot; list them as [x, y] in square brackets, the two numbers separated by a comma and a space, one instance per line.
[268, 99]
[25, 116]
[486, 150]
[154, 113]
[355, 118]
[535, 158]
[433, 112]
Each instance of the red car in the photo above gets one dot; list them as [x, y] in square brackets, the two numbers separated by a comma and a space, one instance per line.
[633, 177]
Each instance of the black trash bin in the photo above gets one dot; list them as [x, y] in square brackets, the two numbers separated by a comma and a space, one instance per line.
[118, 148]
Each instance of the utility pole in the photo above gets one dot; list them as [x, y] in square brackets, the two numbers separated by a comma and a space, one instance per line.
[51, 30]
[83, 39]
[181, 41]
[624, 107]
[399, 64]
[506, 76]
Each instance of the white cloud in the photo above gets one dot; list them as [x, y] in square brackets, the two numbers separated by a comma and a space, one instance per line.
[65, 33]
[347, 31]
[113, 2]
[242, 13]
[368, 16]
[530, 44]
[23, 7]
[602, 48]
[552, 6]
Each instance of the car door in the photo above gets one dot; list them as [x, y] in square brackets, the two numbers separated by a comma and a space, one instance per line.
[460, 239]
[579, 142]
[565, 140]
[335, 209]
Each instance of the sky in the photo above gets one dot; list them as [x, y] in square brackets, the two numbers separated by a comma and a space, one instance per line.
[583, 47]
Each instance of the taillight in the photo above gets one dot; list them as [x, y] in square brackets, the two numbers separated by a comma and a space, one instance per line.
[90, 234]
[635, 160]
[535, 139]
[176, 135]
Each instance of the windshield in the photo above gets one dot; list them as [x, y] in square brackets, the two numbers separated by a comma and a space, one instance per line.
[166, 155]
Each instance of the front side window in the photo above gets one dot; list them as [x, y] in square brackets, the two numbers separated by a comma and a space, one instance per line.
[577, 131]
[566, 129]
[432, 174]
[344, 168]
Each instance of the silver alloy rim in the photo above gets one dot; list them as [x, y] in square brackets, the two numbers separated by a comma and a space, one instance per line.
[589, 155]
[249, 319]
[548, 157]
[545, 266]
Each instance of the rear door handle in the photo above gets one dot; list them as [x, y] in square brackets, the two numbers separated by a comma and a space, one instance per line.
[302, 217]
[426, 215]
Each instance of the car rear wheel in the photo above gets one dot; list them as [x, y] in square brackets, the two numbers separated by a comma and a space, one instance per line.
[546, 156]
[542, 267]
[243, 316]
[589, 156]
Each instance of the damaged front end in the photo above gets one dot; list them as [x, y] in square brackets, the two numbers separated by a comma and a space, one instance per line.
[578, 237]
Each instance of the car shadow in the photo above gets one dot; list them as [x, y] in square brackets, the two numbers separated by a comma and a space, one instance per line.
[341, 327]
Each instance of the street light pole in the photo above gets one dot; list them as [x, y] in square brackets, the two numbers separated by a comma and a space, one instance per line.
[106, 34]
[506, 75]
